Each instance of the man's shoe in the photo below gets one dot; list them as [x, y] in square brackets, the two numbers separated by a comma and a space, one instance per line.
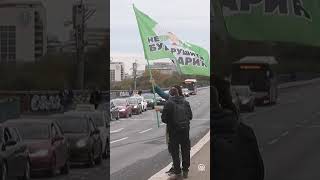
[185, 174]
[171, 171]
[175, 177]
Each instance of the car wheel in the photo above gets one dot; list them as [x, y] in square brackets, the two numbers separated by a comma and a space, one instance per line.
[26, 174]
[4, 171]
[99, 158]
[66, 168]
[52, 171]
[118, 117]
[91, 159]
[130, 114]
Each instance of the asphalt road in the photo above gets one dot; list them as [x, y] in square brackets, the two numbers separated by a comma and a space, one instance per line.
[289, 134]
[138, 146]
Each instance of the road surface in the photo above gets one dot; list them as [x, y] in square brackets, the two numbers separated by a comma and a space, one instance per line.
[138, 146]
[289, 134]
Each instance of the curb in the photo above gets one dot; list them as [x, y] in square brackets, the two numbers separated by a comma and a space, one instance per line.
[161, 175]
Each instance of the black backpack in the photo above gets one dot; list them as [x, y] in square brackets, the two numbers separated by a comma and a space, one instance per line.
[180, 120]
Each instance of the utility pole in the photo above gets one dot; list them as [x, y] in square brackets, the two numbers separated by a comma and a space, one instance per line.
[134, 72]
[80, 15]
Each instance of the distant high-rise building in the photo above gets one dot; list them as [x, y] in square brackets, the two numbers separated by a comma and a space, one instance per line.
[23, 30]
[117, 71]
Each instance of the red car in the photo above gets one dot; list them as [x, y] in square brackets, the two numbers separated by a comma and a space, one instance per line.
[125, 109]
[47, 145]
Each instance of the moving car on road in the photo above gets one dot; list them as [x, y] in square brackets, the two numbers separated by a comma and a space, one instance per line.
[46, 143]
[84, 139]
[125, 109]
[136, 106]
[14, 155]
[235, 98]
[149, 98]
[186, 92]
[246, 98]
[192, 86]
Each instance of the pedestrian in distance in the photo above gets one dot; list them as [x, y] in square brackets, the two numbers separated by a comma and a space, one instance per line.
[177, 115]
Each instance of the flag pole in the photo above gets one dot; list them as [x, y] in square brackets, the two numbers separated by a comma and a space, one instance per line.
[154, 94]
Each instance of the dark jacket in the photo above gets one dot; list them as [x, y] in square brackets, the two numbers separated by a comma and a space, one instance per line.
[168, 111]
[235, 149]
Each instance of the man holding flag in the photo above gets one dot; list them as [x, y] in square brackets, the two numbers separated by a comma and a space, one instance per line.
[189, 59]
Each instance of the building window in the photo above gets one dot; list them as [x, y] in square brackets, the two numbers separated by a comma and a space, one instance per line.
[7, 43]
[112, 75]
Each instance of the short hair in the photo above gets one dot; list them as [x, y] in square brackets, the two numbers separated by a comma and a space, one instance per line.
[174, 91]
[179, 89]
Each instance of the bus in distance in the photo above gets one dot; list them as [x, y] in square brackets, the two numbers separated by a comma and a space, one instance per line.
[191, 84]
[257, 72]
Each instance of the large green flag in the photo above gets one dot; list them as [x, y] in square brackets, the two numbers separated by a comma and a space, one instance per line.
[296, 21]
[160, 44]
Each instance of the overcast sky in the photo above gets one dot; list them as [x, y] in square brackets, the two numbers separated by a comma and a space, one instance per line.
[189, 19]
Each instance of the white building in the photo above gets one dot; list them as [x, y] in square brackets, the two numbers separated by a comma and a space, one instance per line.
[163, 67]
[116, 71]
[23, 30]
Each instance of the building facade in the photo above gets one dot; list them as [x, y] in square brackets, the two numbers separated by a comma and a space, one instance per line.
[117, 71]
[23, 31]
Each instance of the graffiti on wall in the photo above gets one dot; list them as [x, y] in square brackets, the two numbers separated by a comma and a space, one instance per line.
[45, 103]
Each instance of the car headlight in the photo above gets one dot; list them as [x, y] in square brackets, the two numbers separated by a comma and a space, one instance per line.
[82, 143]
[121, 110]
[39, 153]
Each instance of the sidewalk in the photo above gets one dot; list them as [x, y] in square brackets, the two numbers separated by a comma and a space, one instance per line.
[197, 171]
[200, 155]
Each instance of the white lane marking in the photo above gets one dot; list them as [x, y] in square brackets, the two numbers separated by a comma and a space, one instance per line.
[285, 133]
[161, 175]
[116, 131]
[118, 140]
[145, 130]
[273, 141]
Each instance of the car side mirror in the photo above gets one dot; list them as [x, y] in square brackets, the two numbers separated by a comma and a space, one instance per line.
[11, 143]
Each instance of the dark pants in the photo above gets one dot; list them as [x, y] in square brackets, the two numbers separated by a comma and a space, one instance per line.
[179, 139]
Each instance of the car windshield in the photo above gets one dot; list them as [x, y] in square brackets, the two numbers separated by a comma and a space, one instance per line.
[33, 130]
[119, 102]
[98, 119]
[133, 100]
[74, 125]
[148, 96]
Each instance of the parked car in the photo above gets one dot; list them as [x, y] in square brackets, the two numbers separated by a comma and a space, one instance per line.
[46, 143]
[114, 111]
[186, 92]
[235, 98]
[84, 139]
[143, 102]
[135, 105]
[160, 100]
[102, 121]
[149, 98]
[125, 109]
[14, 154]
[246, 98]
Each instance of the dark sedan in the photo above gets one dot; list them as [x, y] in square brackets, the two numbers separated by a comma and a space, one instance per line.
[124, 107]
[150, 100]
[14, 155]
[47, 144]
[84, 139]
